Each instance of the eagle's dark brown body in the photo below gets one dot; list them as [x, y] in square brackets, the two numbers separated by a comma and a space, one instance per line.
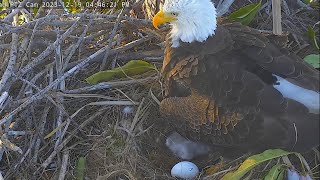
[220, 91]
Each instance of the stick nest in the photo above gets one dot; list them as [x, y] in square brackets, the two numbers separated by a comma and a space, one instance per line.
[49, 115]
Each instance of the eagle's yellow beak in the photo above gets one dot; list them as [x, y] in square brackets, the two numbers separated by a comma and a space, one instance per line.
[161, 18]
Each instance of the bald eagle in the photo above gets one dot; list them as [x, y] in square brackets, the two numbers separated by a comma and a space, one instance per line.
[230, 85]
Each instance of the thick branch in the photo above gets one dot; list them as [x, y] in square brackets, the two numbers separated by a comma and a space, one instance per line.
[276, 15]
[12, 61]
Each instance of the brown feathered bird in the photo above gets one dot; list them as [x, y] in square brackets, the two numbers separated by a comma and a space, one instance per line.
[232, 86]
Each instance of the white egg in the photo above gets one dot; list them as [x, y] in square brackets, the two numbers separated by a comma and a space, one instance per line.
[185, 170]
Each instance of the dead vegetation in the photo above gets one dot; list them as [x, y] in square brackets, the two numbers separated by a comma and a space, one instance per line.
[50, 117]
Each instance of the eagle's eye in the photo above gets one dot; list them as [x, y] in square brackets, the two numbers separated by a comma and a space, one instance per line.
[174, 14]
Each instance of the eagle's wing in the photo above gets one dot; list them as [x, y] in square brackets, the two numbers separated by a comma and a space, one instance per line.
[228, 95]
[272, 56]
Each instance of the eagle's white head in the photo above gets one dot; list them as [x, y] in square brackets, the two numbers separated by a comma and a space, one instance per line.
[191, 20]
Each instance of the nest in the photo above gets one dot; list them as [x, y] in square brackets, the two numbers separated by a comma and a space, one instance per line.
[50, 117]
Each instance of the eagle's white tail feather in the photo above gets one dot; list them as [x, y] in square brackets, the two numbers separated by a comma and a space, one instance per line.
[307, 97]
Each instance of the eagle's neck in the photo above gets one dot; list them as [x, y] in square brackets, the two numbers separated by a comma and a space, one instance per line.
[197, 24]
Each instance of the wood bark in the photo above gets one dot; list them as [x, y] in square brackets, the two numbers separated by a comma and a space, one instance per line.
[276, 15]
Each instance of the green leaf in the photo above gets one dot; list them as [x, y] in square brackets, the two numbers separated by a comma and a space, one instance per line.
[313, 59]
[4, 4]
[315, 5]
[307, 1]
[73, 6]
[35, 10]
[276, 172]
[2, 15]
[312, 3]
[133, 67]
[245, 14]
[312, 36]
[253, 161]
[81, 166]
[21, 19]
